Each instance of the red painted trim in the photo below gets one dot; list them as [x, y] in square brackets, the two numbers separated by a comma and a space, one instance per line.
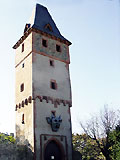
[55, 101]
[68, 54]
[70, 84]
[44, 54]
[23, 59]
[65, 157]
[32, 40]
[24, 102]
[42, 33]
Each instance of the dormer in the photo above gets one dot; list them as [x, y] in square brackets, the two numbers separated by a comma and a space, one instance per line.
[48, 27]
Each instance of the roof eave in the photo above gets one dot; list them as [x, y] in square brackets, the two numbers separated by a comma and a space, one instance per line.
[43, 33]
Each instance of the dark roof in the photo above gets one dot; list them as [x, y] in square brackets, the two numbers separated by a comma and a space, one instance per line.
[42, 18]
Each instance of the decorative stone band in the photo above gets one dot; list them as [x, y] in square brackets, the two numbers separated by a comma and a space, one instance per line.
[23, 103]
[55, 101]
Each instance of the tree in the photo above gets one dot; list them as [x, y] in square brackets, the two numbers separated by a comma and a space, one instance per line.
[87, 147]
[100, 129]
[5, 138]
[114, 140]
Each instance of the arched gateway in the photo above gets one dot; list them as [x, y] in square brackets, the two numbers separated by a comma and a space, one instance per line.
[53, 151]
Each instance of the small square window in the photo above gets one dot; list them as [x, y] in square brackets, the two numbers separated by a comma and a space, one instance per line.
[22, 87]
[53, 85]
[22, 47]
[52, 63]
[44, 42]
[58, 48]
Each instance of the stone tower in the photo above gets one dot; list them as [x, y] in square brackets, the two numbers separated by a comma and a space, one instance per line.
[43, 89]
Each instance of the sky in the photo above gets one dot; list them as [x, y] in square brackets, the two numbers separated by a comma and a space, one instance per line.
[93, 27]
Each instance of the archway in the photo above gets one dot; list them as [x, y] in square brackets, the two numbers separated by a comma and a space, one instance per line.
[53, 151]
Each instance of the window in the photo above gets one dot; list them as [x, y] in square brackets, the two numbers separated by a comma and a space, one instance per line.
[53, 112]
[23, 65]
[26, 101]
[23, 118]
[58, 48]
[22, 47]
[53, 84]
[22, 87]
[44, 42]
[51, 62]
[48, 27]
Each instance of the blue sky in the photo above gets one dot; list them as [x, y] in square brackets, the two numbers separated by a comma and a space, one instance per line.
[93, 27]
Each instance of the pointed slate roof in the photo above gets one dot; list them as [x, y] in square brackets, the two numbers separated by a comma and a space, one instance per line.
[42, 21]
[40, 18]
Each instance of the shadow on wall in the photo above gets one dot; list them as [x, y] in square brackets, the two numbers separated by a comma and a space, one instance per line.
[24, 147]
[77, 155]
[19, 150]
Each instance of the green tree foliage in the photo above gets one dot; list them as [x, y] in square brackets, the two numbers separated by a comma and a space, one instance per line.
[87, 147]
[5, 138]
[114, 141]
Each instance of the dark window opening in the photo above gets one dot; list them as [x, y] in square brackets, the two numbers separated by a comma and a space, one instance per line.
[58, 48]
[51, 63]
[26, 101]
[23, 118]
[53, 112]
[22, 87]
[44, 43]
[23, 65]
[53, 85]
[22, 47]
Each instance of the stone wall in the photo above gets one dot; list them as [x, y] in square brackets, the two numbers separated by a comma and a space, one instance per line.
[15, 152]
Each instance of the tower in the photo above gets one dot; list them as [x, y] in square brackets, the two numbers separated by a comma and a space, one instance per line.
[43, 89]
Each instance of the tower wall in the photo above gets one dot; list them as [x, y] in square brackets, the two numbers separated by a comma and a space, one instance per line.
[50, 51]
[23, 72]
[43, 89]
[48, 100]
[43, 131]
[43, 73]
